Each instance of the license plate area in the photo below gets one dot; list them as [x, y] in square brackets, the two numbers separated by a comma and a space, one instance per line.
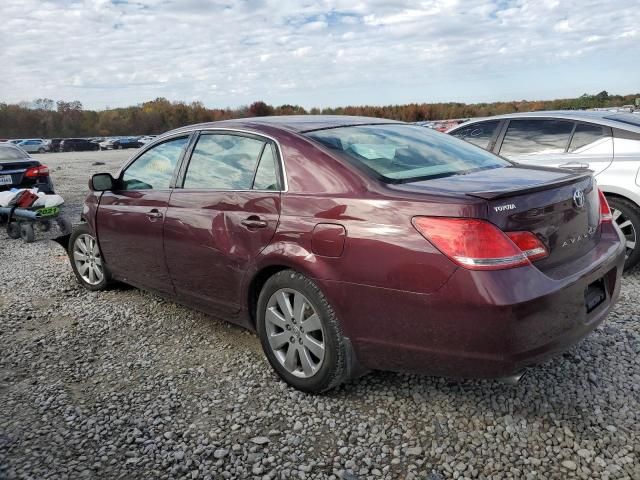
[594, 295]
[6, 180]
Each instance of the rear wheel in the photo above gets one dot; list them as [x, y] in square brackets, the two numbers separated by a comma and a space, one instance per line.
[300, 333]
[13, 230]
[627, 217]
[86, 259]
[26, 233]
[41, 150]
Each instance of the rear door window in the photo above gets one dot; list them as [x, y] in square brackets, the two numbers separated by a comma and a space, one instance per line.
[266, 177]
[536, 137]
[223, 162]
[588, 138]
[479, 134]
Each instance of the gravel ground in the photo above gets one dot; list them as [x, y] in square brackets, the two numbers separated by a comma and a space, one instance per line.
[123, 384]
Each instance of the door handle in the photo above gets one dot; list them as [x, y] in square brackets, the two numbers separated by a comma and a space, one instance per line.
[575, 165]
[253, 222]
[152, 214]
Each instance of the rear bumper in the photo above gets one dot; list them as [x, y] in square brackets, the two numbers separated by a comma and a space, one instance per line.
[480, 323]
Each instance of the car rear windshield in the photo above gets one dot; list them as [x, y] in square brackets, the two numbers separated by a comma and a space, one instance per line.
[403, 153]
[10, 153]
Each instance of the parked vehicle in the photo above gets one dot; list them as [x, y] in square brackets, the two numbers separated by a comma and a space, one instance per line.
[15, 141]
[34, 145]
[77, 145]
[54, 144]
[19, 170]
[352, 243]
[146, 139]
[120, 143]
[605, 142]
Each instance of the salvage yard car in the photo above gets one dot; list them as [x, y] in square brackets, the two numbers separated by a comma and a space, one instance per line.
[77, 145]
[19, 170]
[606, 142]
[34, 145]
[353, 243]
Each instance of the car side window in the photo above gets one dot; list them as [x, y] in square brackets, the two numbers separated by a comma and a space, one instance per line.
[267, 173]
[154, 168]
[223, 162]
[479, 134]
[536, 137]
[586, 138]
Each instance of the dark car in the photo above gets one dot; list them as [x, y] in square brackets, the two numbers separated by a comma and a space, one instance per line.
[55, 144]
[77, 145]
[19, 170]
[120, 143]
[353, 243]
[126, 143]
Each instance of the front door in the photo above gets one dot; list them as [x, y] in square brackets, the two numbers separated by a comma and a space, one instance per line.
[225, 213]
[130, 219]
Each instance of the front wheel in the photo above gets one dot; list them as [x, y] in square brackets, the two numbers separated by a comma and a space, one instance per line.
[300, 333]
[86, 259]
[627, 217]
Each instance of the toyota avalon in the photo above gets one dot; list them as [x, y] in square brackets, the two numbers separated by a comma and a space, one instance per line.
[350, 244]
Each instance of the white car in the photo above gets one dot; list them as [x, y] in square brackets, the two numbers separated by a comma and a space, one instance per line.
[34, 145]
[146, 139]
[606, 142]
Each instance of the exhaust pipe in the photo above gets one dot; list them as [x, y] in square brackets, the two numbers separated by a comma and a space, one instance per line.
[513, 379]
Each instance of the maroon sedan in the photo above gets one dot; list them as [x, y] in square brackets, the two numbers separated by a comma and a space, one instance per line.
[355, 243]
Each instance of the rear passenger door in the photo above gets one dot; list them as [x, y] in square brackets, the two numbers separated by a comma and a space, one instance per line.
[557, 143]
[540, 142]
[224, 211]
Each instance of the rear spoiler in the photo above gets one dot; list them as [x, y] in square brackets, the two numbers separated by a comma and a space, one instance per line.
[571, 178]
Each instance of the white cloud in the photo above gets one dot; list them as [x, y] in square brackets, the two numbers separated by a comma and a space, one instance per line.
[312, 52]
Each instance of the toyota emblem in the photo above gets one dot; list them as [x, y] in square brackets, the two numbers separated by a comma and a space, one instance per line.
[578, 198]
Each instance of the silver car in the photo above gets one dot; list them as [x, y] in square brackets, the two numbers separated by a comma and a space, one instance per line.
[34, 145]
[606, 142]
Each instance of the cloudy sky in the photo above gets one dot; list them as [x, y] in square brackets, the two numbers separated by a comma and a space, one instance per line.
[316, 53]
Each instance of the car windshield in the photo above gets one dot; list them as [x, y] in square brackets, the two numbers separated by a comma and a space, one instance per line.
[10, 153]
[401, 153]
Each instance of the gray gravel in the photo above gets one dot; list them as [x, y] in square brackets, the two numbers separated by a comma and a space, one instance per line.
[123, 384]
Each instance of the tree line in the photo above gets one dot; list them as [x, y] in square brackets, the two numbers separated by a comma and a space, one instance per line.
[45, 118]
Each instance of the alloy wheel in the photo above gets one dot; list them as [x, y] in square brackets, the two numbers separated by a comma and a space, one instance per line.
[628, 229]
[295, 332]
[88, 260]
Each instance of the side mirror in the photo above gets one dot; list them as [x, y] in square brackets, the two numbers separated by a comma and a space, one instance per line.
[101, 182]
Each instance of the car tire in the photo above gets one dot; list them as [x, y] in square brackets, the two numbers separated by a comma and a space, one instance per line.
[43, 225]
[318, 361]
[627, 216]
[27, 234]
[41, 150]
[13, 230]
[86, 259]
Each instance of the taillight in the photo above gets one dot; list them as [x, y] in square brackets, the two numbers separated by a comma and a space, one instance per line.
[605, 211]
[529, 244]
[480, 245]
[40, 171]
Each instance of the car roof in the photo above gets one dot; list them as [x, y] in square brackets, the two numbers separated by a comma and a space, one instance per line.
[293, 123]
[603, 117]
[15, 147]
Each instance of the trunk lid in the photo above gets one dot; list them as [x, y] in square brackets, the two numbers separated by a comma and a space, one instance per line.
[15, 169]
[559, 206]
